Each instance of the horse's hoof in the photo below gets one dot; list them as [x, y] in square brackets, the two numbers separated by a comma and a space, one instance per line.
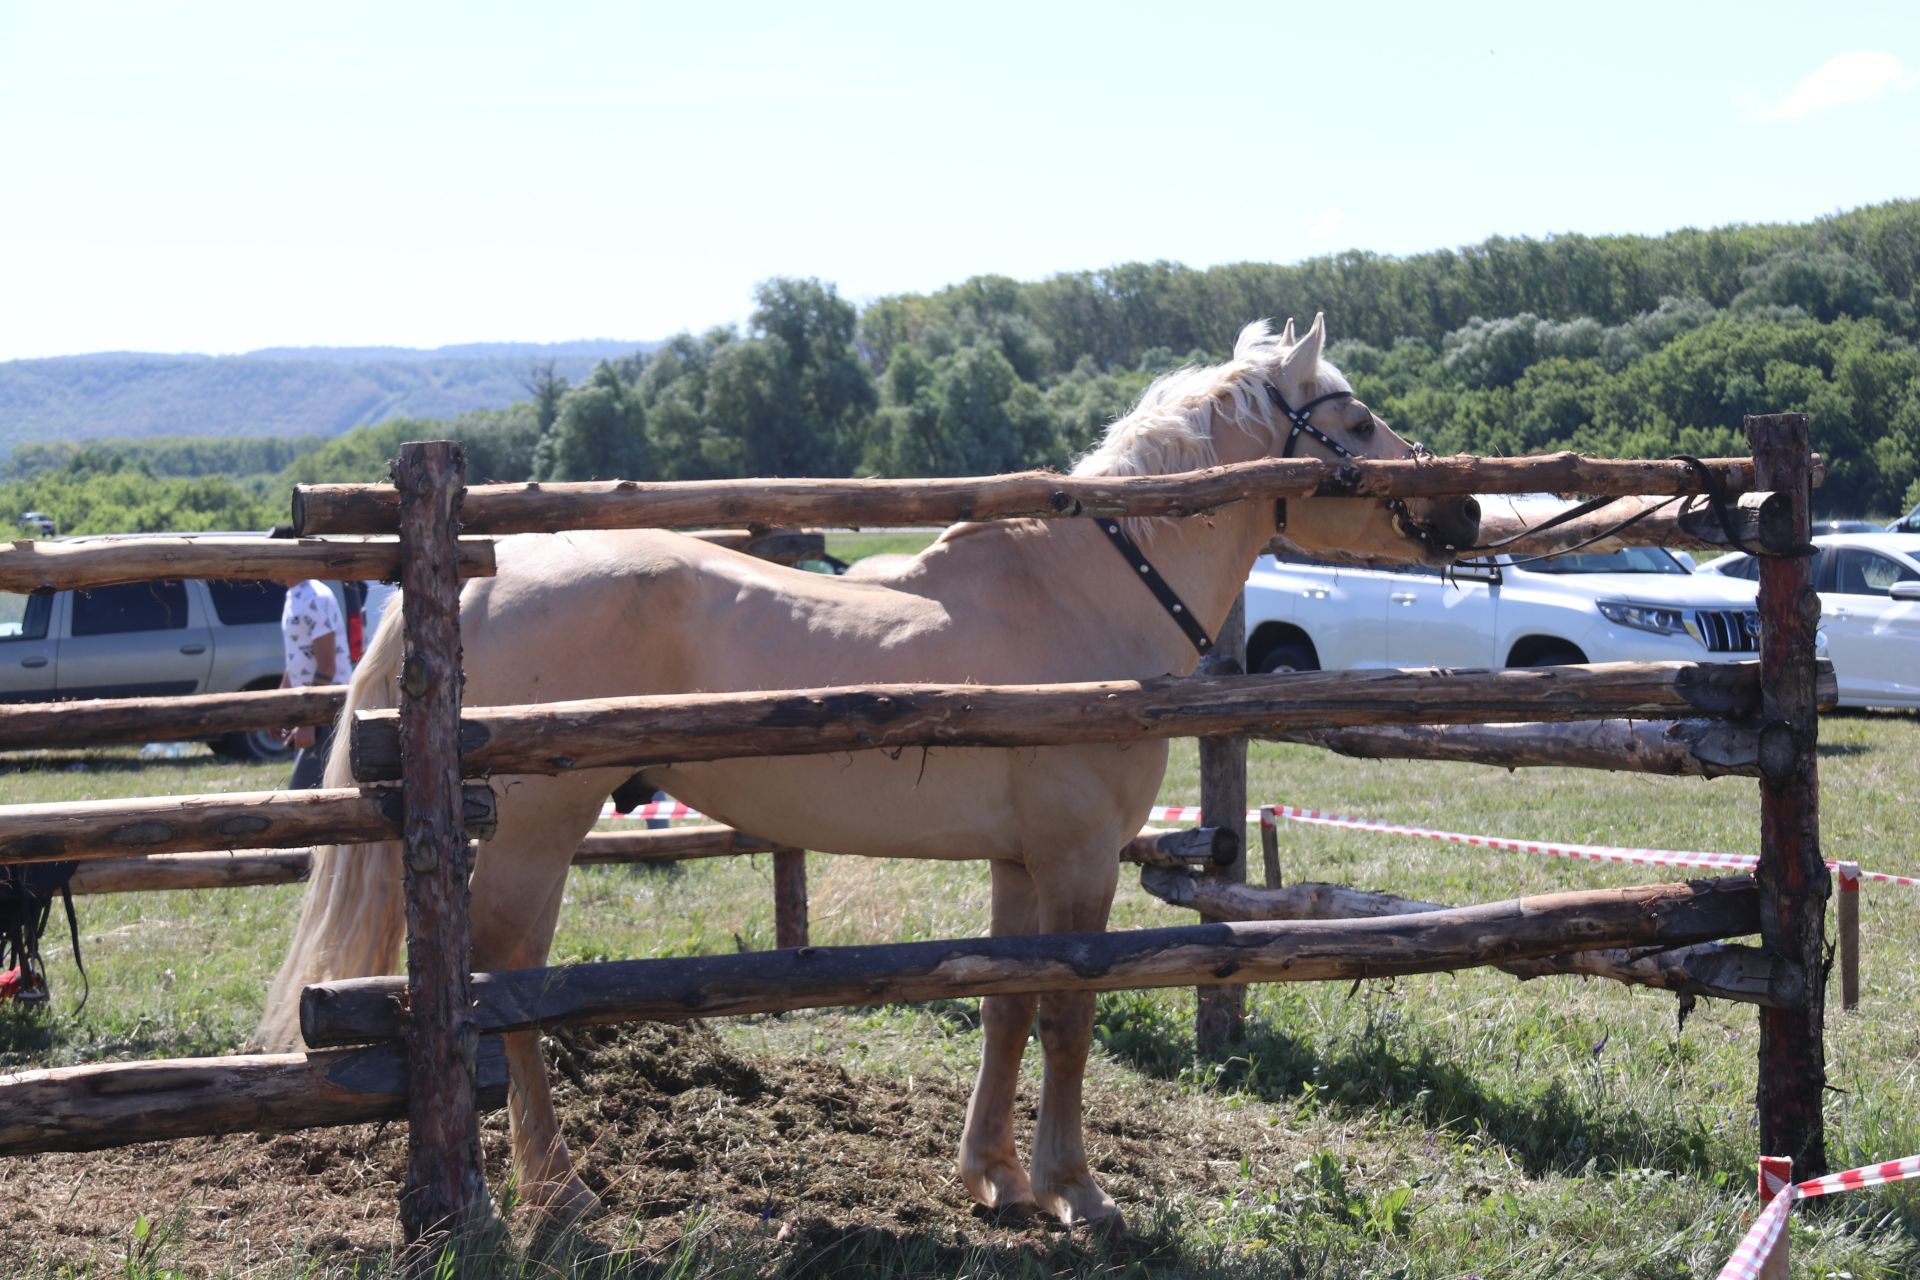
[1080, 1203]
[1001, 1187]
[564, 1204]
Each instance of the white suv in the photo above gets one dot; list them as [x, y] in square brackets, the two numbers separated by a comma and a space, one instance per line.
[1640, 604]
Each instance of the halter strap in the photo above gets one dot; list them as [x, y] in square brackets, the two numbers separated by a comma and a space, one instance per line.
[1301, 419]
[1169, 598]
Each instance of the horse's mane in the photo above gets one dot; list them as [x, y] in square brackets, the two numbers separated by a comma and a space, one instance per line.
[1171, 429]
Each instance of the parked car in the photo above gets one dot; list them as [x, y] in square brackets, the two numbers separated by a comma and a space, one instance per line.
[1845, 526]
[1638, 604]
[1869, 585]
[154, 639]
[1909, 523]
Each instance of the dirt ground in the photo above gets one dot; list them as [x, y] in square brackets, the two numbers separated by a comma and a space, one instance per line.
[670, 1126]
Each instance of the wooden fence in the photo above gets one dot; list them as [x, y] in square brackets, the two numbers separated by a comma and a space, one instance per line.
[1752, 719]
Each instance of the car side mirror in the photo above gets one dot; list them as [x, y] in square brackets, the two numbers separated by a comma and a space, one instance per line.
[1904, 591]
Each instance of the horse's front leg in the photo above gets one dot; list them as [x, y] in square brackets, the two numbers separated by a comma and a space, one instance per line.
[989, 1165]
[1076, 902]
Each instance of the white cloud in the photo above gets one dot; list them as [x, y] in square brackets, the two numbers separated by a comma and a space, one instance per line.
[1849, 77]
[1325, 222]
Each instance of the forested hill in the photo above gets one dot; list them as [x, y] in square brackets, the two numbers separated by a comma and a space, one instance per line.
[1614, 345]
[288, 391]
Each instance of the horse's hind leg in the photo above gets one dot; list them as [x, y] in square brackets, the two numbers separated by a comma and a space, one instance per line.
[989, 1165]
[1062, 1183]
[517, 888]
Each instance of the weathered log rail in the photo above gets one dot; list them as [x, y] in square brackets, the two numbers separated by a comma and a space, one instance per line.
[1700, 748]
[104, 722]
[85, 830]
[361, 1010]
[626, 504]
[242, 868]
[116, 1104]
[560, 737]
[60, 566]
[1713, 969]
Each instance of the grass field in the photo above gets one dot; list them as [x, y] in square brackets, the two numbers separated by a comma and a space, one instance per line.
[1445, 1126]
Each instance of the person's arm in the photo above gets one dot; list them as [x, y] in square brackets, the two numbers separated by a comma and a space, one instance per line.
[324, 651]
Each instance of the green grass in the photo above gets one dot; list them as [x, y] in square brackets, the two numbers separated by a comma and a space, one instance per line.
[851, 546]
[1436, 1126]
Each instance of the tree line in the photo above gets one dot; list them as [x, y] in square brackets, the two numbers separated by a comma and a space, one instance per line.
[1625, 346]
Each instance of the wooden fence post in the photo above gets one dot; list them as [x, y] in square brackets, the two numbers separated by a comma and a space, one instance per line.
[789, 897]
[446, 1191]
[1846, 922]
[1220, 1010]
[1793, 880]
[1270, 845]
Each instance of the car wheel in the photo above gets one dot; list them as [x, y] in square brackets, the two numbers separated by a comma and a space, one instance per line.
[1560, 656]
[261, 746]
[1292, 656]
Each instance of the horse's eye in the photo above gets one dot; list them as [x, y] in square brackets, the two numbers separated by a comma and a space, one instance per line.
[1364, 427]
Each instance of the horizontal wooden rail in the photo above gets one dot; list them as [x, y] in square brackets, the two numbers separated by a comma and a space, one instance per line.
[1696, 748]
[116, 1104]
[1763, 521]
[1720, 970]
[625, 504]
[360, 1010]
[243, 868]
[60, 566]
[558, 737]
[90, 829]
[100, 722]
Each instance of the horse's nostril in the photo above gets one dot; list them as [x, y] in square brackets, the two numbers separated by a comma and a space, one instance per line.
[1470, 509]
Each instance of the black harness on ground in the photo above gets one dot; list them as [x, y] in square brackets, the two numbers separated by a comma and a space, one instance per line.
[27, 891]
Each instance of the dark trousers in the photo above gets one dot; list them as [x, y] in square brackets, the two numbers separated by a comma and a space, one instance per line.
[310, 765]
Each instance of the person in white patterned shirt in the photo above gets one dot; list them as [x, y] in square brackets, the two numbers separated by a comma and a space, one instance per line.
[313, 633]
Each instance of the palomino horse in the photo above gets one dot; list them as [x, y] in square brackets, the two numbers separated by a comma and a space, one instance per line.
[590, 615]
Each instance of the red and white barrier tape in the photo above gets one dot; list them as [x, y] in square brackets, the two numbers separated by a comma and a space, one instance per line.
[1590, 852]
[1849, 874]
[1757, 1245]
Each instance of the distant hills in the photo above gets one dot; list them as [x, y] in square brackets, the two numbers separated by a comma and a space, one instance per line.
[281, 391]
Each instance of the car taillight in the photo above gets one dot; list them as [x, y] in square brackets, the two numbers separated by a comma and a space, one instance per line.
[356, 637]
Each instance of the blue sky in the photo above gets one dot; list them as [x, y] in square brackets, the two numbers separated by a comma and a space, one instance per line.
[220, 177]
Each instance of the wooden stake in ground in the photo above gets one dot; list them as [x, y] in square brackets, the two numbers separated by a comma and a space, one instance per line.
[789, 897]
[446, 1189]
[1219, 1012]
[1793, 880]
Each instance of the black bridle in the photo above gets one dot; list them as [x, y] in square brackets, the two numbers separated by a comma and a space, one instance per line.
[1302, 420]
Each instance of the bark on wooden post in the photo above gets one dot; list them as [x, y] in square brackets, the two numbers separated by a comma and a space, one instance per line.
[1846, 922]
[1793, 879]
[1219, 1011]
[789, 897]
[446, 1190]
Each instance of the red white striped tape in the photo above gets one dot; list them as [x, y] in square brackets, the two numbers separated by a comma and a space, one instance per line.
[1757, 1245]
[1556, 849]
[1849, 874]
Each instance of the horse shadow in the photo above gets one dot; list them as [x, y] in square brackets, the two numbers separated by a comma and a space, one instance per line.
[1546, 1131]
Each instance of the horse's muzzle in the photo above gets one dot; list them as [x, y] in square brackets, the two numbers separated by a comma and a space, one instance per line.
[1444, 526]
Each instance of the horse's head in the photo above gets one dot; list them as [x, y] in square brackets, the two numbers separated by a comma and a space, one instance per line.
[1314, 414]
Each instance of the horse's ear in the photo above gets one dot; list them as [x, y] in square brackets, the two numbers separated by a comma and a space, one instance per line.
[1287, 336]
[1304, 355]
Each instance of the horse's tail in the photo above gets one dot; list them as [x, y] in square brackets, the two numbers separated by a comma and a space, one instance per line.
[353, 918]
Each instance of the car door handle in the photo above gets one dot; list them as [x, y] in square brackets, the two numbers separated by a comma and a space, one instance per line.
[1403, 597]
[193, 648]
[33, 662]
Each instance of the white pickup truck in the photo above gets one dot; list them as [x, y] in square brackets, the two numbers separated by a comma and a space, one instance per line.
[1640, 604]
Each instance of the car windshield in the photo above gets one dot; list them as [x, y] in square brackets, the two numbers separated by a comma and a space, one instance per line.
[1625, 560]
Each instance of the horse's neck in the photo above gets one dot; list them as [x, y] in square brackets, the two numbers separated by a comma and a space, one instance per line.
[1092, 594]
